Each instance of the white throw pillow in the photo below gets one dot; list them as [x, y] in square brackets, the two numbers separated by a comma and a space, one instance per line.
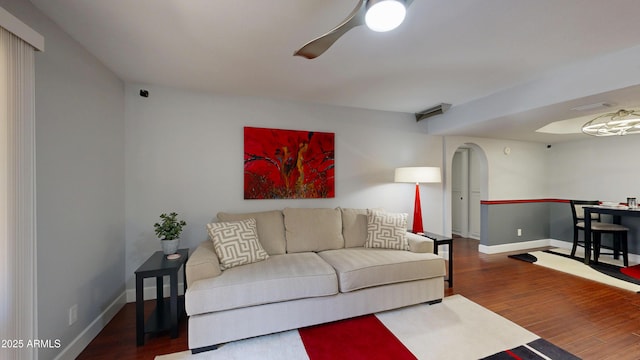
[236, 243]
[387, 230]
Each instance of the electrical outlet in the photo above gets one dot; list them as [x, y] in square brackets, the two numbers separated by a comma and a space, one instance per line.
[73, 314]
[519, 232]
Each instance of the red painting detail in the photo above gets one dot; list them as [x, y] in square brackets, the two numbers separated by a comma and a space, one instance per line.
[288, 164]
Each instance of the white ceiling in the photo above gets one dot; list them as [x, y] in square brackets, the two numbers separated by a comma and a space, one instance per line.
[453, 51]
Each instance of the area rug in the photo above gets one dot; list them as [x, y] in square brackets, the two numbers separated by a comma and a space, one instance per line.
[632, 271]
[607, 271]
[327, 341]
[457, 328]
[536, 350]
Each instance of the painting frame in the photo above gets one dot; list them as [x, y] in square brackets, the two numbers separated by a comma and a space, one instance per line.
[288, 164]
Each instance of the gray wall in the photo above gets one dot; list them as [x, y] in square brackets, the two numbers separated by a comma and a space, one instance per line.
[540, 220]
[184, 153]
[603, 168]
[80, 182]
[500, 222]
[561, 222]
[81, 150]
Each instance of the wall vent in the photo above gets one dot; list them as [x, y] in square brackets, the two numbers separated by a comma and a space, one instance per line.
[433, 111]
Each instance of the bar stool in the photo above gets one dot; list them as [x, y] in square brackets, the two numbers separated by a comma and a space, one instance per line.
[598, 228]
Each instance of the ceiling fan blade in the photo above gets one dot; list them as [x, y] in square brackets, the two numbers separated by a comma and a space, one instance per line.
[316, 47]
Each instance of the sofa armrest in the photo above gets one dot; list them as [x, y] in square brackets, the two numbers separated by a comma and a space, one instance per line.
[203, 263]
[419, 243]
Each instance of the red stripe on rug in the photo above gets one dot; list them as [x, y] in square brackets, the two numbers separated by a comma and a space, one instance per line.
[513, 355]
[363, 337]
[632, 271]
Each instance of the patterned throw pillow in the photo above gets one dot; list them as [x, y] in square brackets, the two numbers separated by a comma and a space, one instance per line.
[236, 243]
[387, 230]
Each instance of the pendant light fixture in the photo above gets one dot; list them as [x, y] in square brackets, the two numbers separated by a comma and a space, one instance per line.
[621, 122]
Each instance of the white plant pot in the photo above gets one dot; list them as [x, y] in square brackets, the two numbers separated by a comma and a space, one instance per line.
[170, 246]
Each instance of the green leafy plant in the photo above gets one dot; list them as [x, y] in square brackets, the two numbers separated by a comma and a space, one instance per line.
[170, 227]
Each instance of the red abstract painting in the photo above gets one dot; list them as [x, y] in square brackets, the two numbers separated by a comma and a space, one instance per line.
[288, 164]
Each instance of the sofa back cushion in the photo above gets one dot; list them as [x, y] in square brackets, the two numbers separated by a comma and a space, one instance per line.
[354, 226]
[270, 226]
[313, 229]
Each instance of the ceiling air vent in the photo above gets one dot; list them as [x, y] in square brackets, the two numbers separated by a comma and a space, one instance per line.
[595, 106]
[433, 111]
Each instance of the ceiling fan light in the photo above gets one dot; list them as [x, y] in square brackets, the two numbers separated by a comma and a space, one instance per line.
[385, 15]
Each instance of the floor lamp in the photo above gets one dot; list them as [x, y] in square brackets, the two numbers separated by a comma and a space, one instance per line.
[417, 175]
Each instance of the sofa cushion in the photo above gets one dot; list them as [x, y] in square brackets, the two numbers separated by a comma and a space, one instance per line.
[270, 228]
[279, 278]
[203, 263]
[386, 230]
[419, 243]
[354, 226]
[360, 268]
[313, 229]
[236, 243]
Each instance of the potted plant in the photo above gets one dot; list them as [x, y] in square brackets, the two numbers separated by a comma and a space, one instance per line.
[168, 231]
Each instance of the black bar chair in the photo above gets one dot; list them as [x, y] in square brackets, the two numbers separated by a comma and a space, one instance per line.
[598, 228]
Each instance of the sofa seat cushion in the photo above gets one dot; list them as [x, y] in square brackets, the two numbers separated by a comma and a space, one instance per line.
[360, 268]
[278, 278]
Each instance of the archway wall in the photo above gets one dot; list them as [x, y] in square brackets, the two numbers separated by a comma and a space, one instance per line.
[519, 173]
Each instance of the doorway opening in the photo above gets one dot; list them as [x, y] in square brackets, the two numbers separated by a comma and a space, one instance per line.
[468, 188]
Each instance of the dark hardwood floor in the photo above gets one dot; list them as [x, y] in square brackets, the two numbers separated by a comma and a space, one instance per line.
[591, 320]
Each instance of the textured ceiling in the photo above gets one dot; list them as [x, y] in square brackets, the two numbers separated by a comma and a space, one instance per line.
[453, 51]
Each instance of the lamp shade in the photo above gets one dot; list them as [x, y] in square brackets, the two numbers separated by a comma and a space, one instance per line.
[418, 175]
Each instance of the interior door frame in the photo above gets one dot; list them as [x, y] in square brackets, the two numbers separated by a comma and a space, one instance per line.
[460, 209]
[450, 145]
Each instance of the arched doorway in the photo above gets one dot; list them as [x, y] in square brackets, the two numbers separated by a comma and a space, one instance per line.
[467, 184]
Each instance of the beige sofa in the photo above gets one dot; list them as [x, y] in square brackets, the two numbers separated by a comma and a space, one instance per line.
[318, 270]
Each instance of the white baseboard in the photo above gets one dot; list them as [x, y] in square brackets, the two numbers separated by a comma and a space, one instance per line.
[149, 293]
[560, 244]
[528, 245]
[468, 236]
[78, 344]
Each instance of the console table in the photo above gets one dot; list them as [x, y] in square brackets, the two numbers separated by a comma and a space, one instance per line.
[163, 317]
[442, 240]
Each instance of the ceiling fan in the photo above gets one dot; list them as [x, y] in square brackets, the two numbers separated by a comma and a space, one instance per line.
[379, 15]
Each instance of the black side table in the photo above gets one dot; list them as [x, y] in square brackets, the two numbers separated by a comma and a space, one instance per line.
[163, 317]
[442, 240]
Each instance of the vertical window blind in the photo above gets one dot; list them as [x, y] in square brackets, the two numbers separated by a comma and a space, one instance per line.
[17, 195]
